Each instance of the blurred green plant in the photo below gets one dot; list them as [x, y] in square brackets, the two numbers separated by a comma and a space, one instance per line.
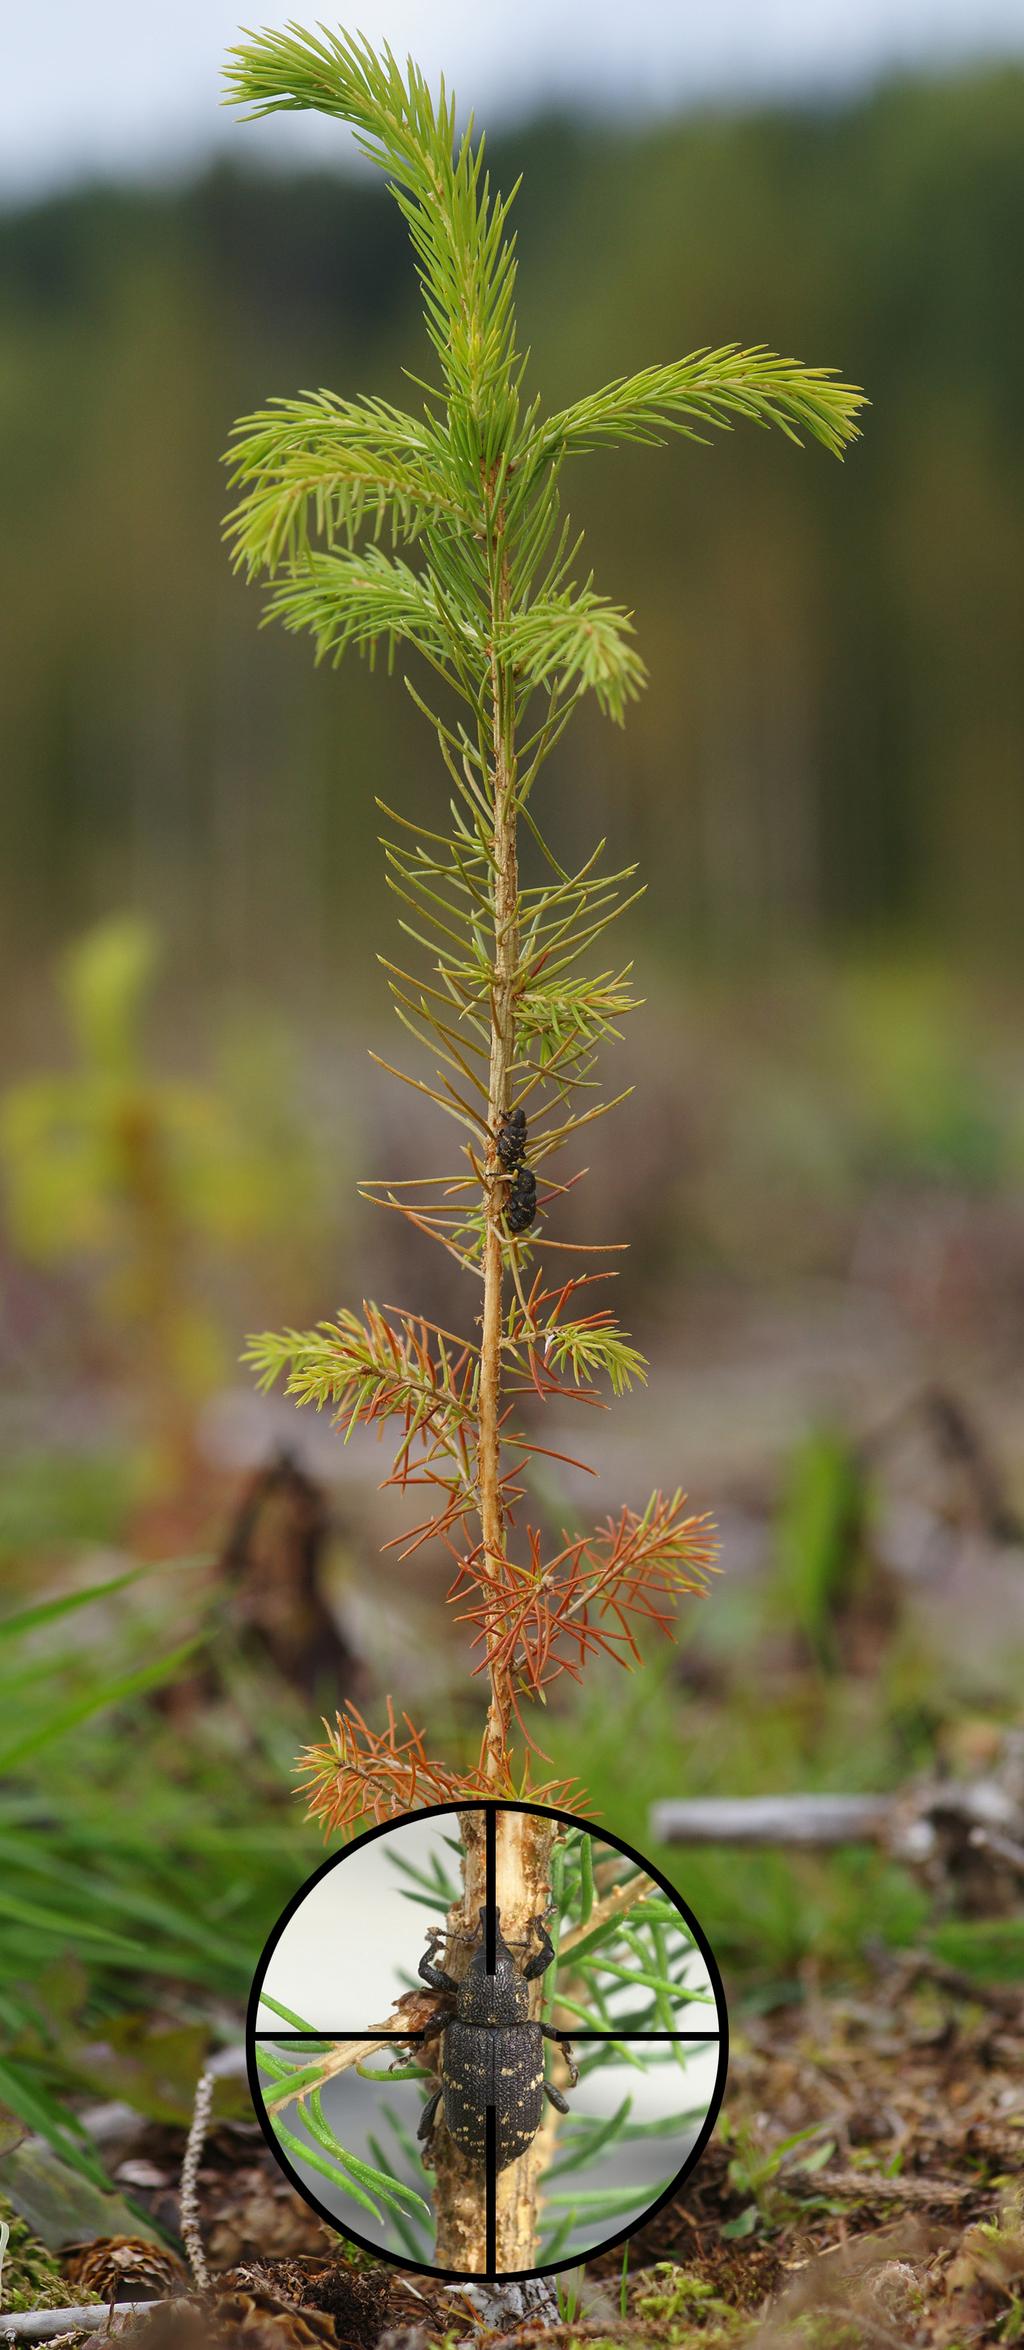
[134, 1179]
[756, 2170]
[819, 1540]
[56, 1501]
[930, 1103]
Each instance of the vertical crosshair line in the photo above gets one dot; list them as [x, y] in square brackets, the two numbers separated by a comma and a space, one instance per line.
[490, 1885]
[491, 2196]
[491, 2118]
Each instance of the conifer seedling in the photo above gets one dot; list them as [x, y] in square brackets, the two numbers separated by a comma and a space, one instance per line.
[439, 531]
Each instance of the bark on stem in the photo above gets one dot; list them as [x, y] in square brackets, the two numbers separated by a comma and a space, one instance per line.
[523, 1876]
[524, 1890]
[503, 1016]
[459, 2197]
[524, 1841]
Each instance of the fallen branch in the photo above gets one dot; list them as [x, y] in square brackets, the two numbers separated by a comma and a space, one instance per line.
[54, 2325]
[952, 1830]
[820, 1820]
[873, 2186]
[1004, 1848]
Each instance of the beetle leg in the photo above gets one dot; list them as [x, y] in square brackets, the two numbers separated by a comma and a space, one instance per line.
[557, 2099]
[565, 2046]
[435, 1976]
[542, 1958]
[428, 1972]
[427, 2115]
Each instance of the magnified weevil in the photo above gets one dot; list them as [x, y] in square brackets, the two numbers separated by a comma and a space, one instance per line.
[493, 2051]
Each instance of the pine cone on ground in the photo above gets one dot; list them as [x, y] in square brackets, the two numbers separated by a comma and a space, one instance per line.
[124, 2268]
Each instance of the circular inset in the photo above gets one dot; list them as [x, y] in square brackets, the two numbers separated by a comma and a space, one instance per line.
[555, 2025]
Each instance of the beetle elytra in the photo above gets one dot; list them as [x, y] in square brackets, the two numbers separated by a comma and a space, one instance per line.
[493, 2051]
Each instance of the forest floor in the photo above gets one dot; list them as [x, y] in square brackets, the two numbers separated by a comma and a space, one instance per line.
[864, 2188]
[865, 1457]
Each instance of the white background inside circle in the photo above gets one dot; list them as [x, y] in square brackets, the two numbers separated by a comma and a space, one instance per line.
[352, 1946]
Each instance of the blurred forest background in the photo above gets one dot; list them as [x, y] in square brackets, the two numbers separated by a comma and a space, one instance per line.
[830, 751]
[821, 787]
[822, 1173]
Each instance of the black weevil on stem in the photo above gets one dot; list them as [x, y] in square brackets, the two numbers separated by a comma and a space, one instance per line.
[493, 2050]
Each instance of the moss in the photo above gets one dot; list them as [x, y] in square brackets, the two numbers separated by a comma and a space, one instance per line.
[679, 2302]
[31, 2277]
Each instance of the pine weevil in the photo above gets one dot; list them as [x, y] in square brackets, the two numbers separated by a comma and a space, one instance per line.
[511, 1140]
[493, 2051]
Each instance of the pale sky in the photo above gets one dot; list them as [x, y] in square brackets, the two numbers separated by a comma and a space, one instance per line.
[122, 86]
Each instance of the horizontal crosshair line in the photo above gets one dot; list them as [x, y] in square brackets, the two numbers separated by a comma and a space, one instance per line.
[713, 2034]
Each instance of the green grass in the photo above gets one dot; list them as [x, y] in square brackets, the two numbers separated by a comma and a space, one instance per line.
[145, 1854]
[764, 1912]
[143, 1861]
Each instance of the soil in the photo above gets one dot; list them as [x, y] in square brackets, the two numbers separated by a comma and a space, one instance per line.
[863, 2188]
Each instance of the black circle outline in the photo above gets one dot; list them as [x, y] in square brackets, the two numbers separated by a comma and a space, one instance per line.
[429, 2268]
